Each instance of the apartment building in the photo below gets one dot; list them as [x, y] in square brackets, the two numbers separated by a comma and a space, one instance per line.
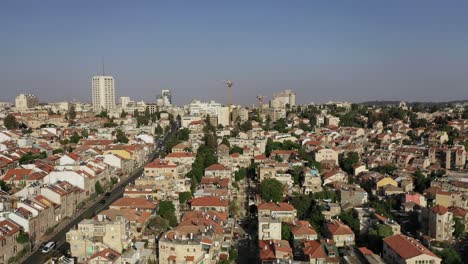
[400, 249]
[91, 236]
[440, 223]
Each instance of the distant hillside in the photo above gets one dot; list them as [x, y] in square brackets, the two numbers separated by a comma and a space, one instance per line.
[414, 103]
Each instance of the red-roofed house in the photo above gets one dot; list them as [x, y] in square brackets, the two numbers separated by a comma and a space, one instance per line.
[406, 250]
[340, 233]
[218, 170]
[141, 204]
[22, 177]
[9, 247]
[106, 256]
[282, 211]
[207, 203]
[315, 252]
[272, 250]
[181, 158]
[302, 230]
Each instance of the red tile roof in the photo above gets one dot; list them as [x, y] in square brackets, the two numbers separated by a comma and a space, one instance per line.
[179, 155]
[17, 174]
[209, 201]
[159, 163]
[366, 251]
[407, 247]
[215, 167]
[276, 206]
[338, 228]
[439, 209]
[8, 228]
[140, 203]
[314, 250]
[107, 254]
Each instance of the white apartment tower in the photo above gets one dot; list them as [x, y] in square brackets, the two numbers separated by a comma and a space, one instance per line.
[24, 102]
[103, 93]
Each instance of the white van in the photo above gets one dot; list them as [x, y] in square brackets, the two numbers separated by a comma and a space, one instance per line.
[48, 247]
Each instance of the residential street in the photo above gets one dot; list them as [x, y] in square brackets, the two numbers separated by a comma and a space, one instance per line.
[93, 207]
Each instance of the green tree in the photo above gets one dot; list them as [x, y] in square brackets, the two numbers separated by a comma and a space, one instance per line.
[349, 161]
[4, 186]
[98, 188]
[183, 134]
[348, 218]
[240, 174]
[75, 138]
[233, 254]
[167, 211]
[280, 125]
[246, 126]
[271, 190]
[158, 130]
[103, 114]
[72, 112]
[184, 197]
[120, 136]
[236, 149]
[450, 256]
[22, 238]
[158, 224]
[10, 122]
[225, 141]
[459, 227]
[285, 231]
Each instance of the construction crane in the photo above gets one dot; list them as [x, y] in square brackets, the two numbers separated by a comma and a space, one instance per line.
[260, 103]
[229, 84]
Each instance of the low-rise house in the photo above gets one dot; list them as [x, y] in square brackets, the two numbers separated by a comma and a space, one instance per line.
[191, 246]
[340, 233]
[136, 218]
[353, 196]
[208, 203]
[401, 249]
[140, 204]
[35, 216]
[9, 246]
[311, 181]
[94, 235]
[116, 161]
[274, 250]
[184, 158]
[22, 177]
[218, 170]
[334, 176]
[269, 228]
[281, 211]
[105, 256]
[321, 154]
[448, 199]
[64, 194]
[302, 230]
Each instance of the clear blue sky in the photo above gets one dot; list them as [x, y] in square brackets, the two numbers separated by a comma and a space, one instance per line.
[325, 50]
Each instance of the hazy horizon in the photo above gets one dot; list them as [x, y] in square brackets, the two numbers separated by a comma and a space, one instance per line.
[324, 50]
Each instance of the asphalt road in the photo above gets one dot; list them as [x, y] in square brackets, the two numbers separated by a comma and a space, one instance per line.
[60, 237]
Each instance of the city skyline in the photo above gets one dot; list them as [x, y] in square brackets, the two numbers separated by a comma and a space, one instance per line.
[324, 51]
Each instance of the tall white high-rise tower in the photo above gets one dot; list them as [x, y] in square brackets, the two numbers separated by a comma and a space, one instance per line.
[103, 93]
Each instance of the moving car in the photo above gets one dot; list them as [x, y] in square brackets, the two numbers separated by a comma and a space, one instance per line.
[48, 247]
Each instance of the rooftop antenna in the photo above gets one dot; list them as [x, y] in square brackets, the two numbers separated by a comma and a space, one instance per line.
[229, 84]
[103, 69]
